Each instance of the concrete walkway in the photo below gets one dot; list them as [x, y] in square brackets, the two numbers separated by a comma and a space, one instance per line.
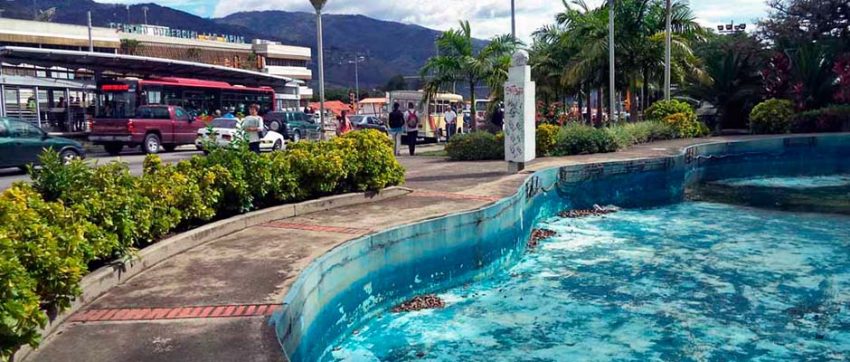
[212, 303]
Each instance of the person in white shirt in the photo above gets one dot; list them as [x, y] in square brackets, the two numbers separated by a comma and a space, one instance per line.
[253, 127]
[451, 122]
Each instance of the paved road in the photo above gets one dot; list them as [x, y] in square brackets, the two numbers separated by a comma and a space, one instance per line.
[132, 157]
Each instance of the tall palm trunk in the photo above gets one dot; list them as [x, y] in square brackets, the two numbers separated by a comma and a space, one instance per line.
[599, 101]
[645, 94]
[588, 93]
[472, 107]
[580, 102]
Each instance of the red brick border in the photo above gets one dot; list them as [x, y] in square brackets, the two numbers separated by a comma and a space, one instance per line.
[310, 227]
[453, 196]
[150, 314]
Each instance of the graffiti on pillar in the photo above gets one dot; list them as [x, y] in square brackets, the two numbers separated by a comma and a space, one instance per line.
[514, 111]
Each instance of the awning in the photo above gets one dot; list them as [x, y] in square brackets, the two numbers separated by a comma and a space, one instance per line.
[143, 67]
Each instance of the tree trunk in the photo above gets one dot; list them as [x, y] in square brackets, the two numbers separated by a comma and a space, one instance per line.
[587, 93]
[599, 100]
[580, 102]
[645, 93]
[472, 105]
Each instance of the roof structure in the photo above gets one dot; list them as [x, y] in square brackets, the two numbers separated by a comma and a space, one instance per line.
[143, 67]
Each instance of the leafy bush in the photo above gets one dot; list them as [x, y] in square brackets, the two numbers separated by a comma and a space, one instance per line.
[73, 215]
[20, 315]
[547, 138]
[660, 110]
[835, 118]
[476, 146]
[576, 139]
[371, 154]
[686, 125]
[772, 116]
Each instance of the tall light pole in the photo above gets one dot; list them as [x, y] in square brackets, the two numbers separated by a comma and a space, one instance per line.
[145, 10]
[357, 59]
[91, 41]
[667, 45]
[611, 69]
[513, 19]
[318, 5]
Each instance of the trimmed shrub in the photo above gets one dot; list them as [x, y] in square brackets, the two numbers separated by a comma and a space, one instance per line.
[577, 139]
[547, 138]
[369, 157]
[20, 315]
[476, 146]
[834, 118]
[660, 110]
[772, 116]
[74, 216]
[686, 125]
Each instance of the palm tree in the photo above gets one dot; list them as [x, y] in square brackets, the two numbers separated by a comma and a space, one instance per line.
[459, 62]
[318, 5]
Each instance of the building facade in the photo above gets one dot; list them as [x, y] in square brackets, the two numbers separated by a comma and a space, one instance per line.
[54, 88]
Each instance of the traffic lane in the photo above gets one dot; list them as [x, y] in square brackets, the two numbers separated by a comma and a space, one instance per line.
[134, 160]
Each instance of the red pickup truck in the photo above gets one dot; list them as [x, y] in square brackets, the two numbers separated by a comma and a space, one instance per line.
[152, 127]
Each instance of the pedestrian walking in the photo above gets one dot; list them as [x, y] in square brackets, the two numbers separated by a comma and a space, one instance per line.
[344, 125]
[412, 123]
[451, 122]
[252, 125]
[396, 127]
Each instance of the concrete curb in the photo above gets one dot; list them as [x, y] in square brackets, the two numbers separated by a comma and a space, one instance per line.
[98, 282]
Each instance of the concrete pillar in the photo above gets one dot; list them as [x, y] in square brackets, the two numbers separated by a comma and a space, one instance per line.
[37, 107]
[519, 114]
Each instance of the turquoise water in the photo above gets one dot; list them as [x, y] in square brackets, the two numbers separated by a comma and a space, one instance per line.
[694, 281]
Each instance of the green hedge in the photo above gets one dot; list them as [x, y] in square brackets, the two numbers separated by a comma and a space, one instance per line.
[571, 139]
[74, 217]
[660, 110]
[476, 146]
[835, 118]
[772, 116]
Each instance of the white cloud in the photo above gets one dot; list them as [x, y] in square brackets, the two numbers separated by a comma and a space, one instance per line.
[488, 17]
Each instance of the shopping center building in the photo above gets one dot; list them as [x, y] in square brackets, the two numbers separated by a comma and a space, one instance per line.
[64, 94]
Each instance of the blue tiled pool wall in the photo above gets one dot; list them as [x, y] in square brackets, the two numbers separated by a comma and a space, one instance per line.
[364, 277]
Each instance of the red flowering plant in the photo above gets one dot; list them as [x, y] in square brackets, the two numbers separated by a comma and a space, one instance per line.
[842, 73]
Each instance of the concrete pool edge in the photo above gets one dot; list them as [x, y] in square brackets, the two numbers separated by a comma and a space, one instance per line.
[292, 324]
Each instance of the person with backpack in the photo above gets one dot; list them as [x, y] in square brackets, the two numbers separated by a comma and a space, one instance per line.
[412, 123]
[396, 127]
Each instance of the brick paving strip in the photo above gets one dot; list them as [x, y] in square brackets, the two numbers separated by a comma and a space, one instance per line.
[150, 314]
[453, 196]
[311, 227]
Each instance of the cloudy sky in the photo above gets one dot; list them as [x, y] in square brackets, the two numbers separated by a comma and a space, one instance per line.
[488, 17]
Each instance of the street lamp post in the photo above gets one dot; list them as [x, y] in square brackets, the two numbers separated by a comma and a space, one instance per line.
[145, 10]
[357, 59]
[513, 19]
[611, 69]
[731, 28]
[667, 45]
[318, 5]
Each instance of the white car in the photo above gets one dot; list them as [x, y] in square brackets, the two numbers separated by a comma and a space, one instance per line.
[225, 130]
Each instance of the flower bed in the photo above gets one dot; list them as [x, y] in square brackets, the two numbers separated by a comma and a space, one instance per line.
[74, 218]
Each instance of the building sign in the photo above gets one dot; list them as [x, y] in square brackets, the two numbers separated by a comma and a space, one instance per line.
[156, 30]
[115, 87]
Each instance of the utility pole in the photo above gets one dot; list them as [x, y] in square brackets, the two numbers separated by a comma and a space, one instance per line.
[91, 41]
[611, 83]
[321, 70]
[145, 10]
[356, 78]
[668, 41]
[128, 14]
[513, 19]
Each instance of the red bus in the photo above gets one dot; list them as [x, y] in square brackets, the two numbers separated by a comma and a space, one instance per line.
[202, 98]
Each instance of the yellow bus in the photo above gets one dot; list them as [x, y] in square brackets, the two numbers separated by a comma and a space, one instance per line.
[432, 122]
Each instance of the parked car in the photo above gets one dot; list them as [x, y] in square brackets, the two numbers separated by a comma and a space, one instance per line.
[294, 126]
[152, 127]
[21, 143]
[368, 122]
[225, 131]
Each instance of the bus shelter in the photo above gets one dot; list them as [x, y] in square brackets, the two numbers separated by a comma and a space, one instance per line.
[54, 104]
